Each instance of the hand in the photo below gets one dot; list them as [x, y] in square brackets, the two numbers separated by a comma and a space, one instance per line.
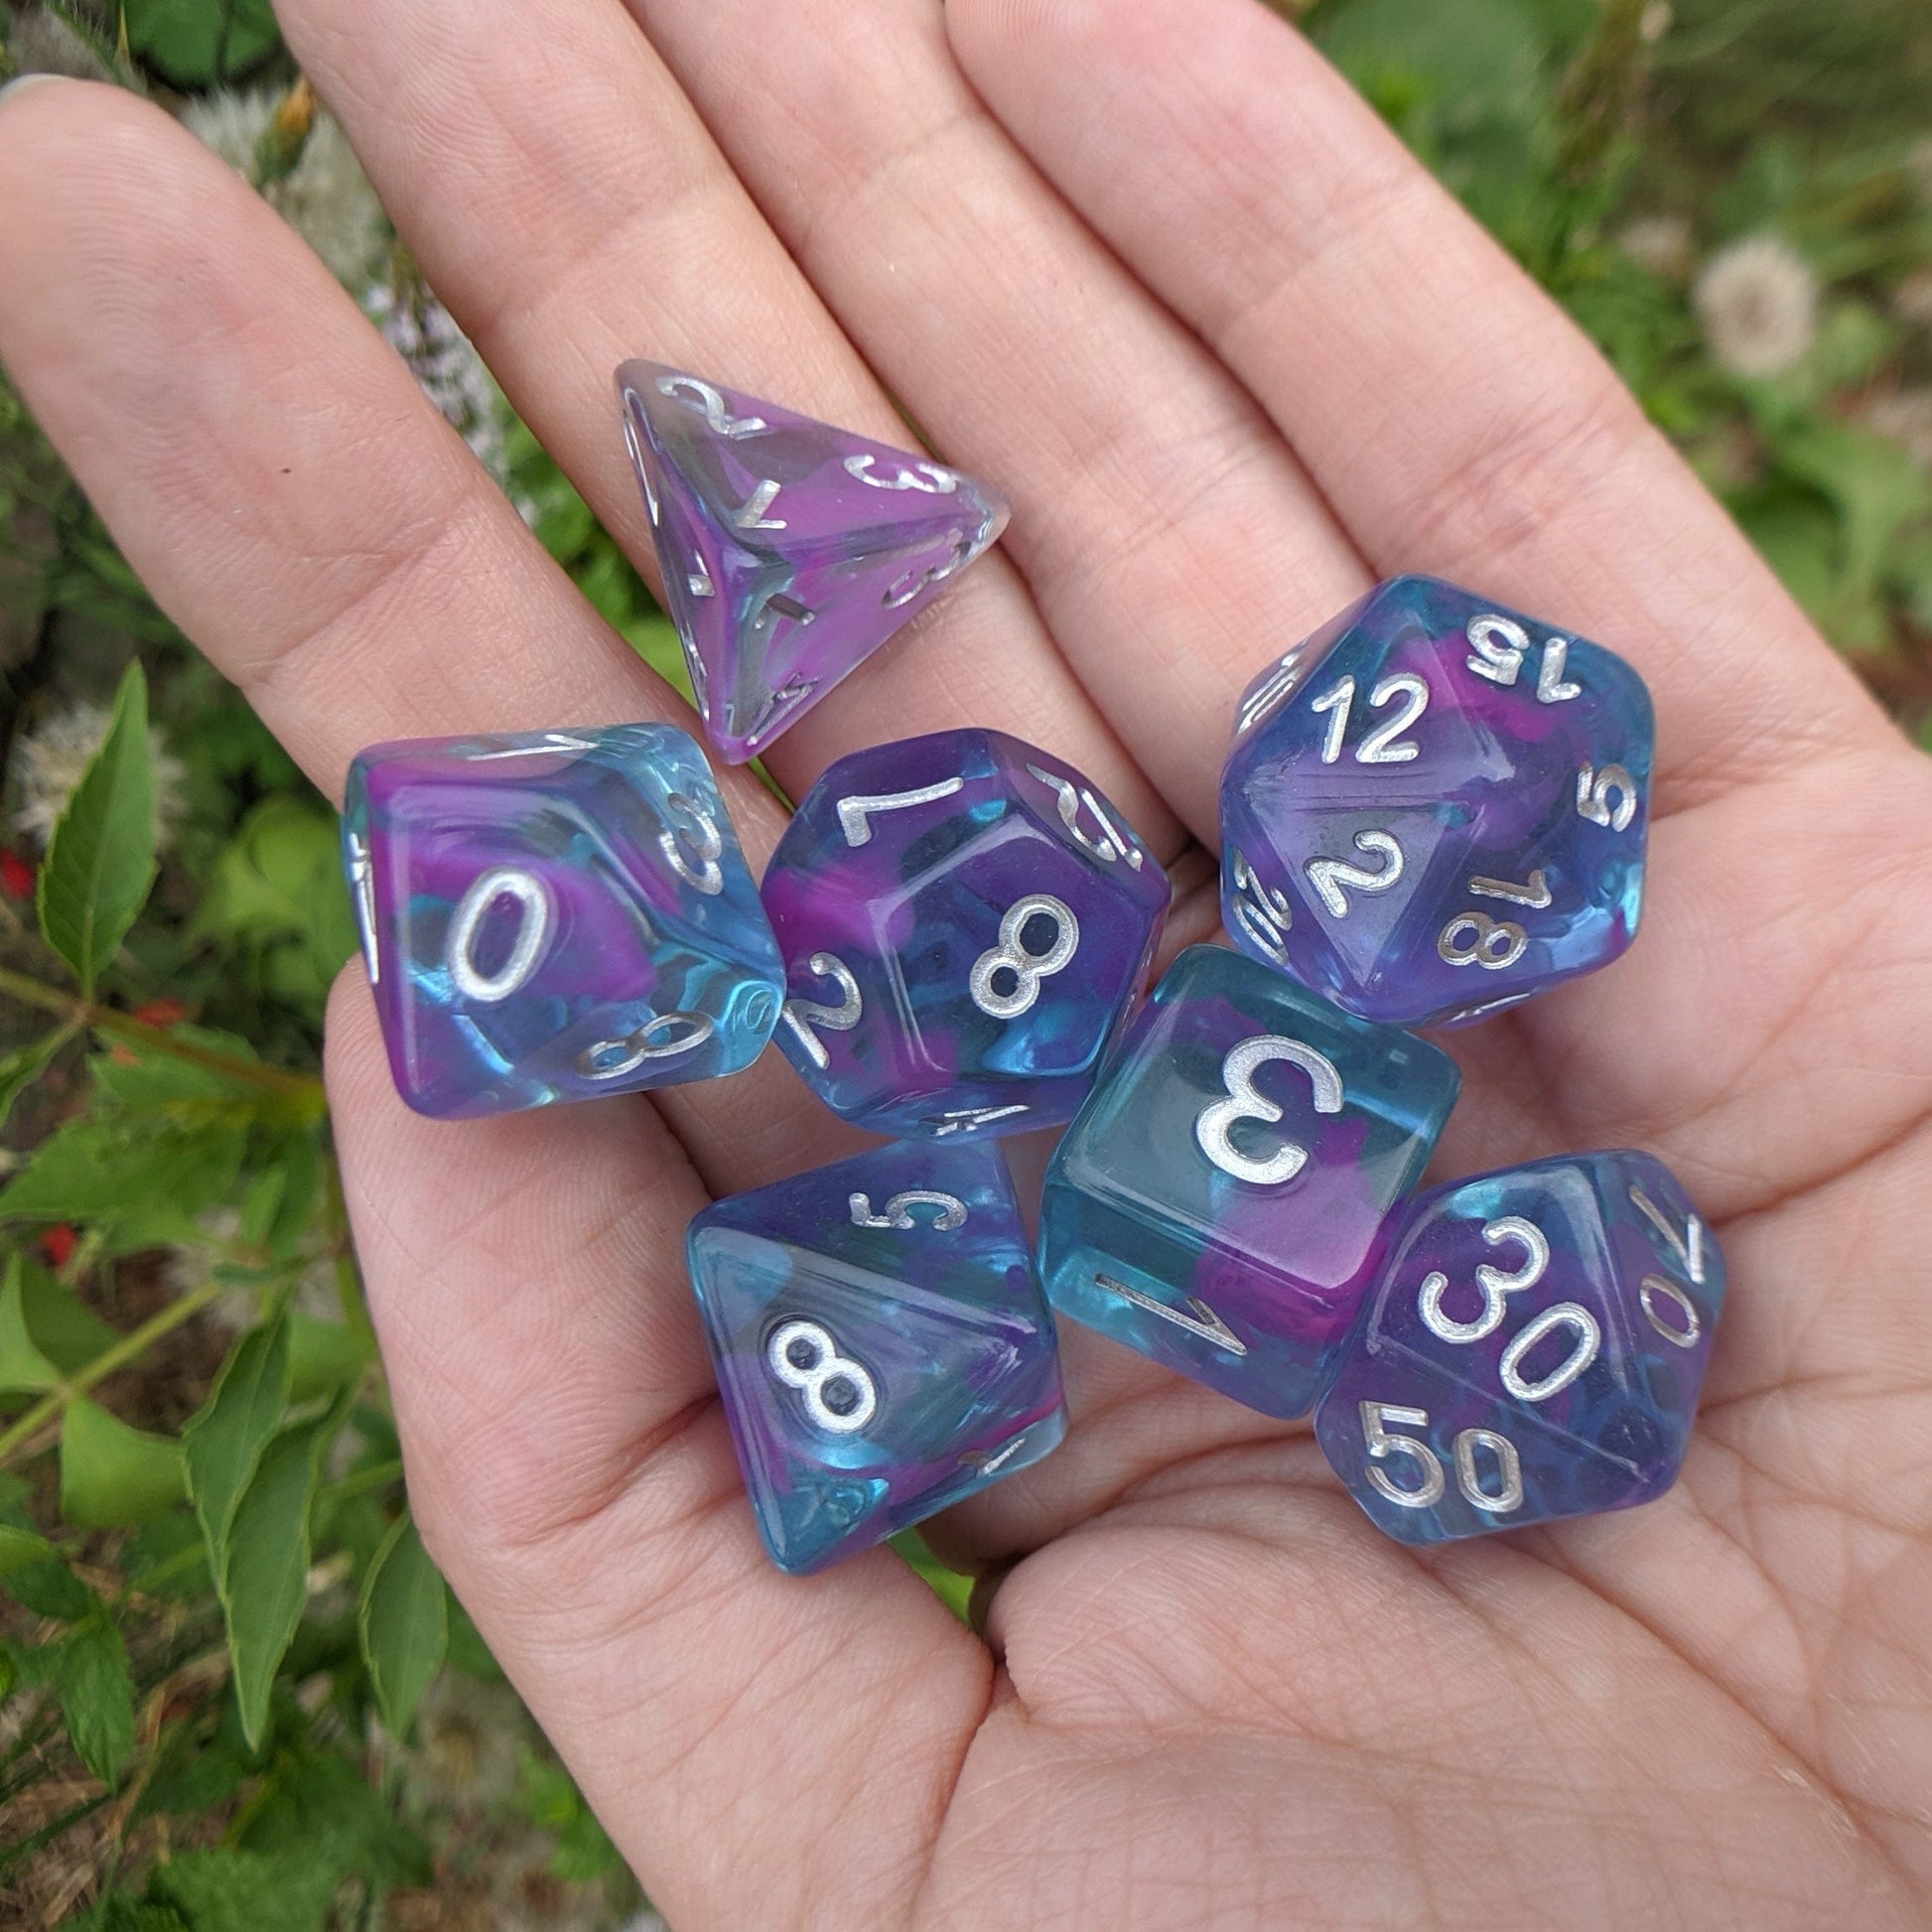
[1150, 266]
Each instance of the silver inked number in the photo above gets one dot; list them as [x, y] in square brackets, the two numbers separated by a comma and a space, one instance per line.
[1245, 1102]
[855, 813]
[1012, 956]
[701, 397]
[1112, 844]
[806, 1017]
[1594, 790]
[840, 1394]
[950, 1210]
[1385, 1442]
[1385, 745]
[536, 914]
[928, 477]
[693, 843]
[1498, 647]
[1261, 912]
[1334, 879]
[1195, 1316]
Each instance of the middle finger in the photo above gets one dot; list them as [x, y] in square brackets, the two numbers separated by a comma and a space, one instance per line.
[568, 205]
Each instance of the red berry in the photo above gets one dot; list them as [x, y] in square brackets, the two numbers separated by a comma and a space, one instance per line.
[16, 876]
[58, 1243]
[161, 1012]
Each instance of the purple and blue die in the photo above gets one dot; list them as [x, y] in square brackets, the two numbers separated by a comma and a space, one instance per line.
[555, 915]
[882, 1346]
[1533, 1349]
[790, 550]
[1435, 807]
[1223, 1199]
[964, 923]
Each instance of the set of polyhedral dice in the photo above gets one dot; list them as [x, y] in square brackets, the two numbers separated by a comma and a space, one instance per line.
[1434, 809]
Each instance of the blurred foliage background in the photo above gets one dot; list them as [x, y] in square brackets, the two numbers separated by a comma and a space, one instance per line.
[233, 1691]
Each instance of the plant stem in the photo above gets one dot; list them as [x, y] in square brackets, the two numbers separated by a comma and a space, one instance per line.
[134, 1344]
[303, 1088]
[360, 1482]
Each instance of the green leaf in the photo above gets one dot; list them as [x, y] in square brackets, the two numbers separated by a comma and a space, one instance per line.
[108, 1170]
[323, 1355]
[224, 1442]
[96, 1692]
[223, 1889]
[264, 1582]
[316, 1805]
[278, 886]
[197, 43]
[19, 1548]
[22, 1366]
[101, 860]
[405, 1623]
[61, 1325]
[113, 1476]
[24, 1064]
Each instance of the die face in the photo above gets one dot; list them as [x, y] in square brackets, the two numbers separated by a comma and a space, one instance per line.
[881, 1346]
[1437, 807]
[1222, 1200]
[1534, 1349]
[790, 550]
[555, 915]
[964, 923]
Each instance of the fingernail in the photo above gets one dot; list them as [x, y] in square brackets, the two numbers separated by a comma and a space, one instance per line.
[22, 82]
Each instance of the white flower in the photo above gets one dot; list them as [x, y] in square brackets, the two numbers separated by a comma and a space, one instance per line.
[50, 761]
[444, 363]
[1758, 299]
[1661, 243]
[325, 197]
[1906, 419]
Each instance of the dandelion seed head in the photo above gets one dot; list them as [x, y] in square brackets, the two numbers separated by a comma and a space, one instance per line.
[1757, 301]
[325, 197]
[50, 761]
[43, 43]
[468, 1734]
[1662, 243]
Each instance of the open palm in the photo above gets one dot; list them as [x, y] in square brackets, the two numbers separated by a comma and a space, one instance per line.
[1149, 267]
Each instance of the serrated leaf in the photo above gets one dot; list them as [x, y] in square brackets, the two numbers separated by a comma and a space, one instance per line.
[404, 1623]
[113, 1476]
[264, 1582]
[96, 1692]
[224, 1442]
[222, 1889]
[105, 1170]
[47, 1587]
[22, 1366]
[101, 860]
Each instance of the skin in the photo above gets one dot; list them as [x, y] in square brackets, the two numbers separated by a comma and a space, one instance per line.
[1150, 266]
